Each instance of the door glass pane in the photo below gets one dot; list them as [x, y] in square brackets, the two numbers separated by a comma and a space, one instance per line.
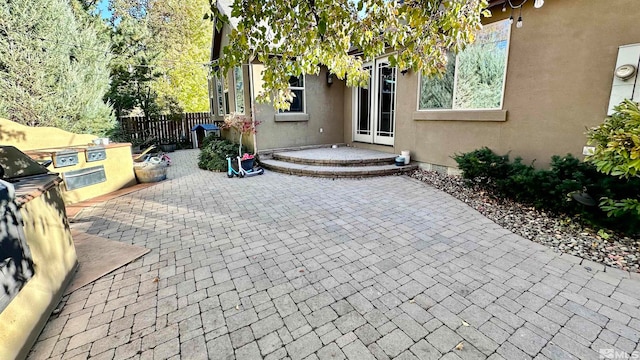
[386, 96]
[364, 106]
[239, 90]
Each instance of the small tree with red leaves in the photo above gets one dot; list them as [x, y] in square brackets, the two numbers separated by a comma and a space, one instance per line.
[243, 124]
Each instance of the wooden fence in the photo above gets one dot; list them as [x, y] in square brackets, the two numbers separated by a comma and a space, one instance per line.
[164, 129]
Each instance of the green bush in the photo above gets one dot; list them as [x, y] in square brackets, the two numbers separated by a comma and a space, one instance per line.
[483, 166]
[551, 189]
[214, 153]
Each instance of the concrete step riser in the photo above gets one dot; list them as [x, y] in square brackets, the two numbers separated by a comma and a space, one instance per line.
[337, 174]
[346, 163]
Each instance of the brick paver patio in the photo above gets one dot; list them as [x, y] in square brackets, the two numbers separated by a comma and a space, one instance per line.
[279, 266]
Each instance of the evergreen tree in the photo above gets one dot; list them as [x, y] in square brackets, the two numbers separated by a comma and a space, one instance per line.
[177, 42]
[186, 43]
[133, 68]
[53, 66]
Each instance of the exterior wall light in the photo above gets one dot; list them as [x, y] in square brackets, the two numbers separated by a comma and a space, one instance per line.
[536, 4]
[329, 78]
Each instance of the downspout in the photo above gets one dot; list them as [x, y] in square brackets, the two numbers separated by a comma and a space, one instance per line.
[253, 107]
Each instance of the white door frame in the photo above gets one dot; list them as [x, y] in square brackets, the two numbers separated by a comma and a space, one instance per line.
[363, 137]
[373, 106]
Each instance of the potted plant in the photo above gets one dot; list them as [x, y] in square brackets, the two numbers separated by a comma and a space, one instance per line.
[243, 125]
[168, 144]
[247, 161]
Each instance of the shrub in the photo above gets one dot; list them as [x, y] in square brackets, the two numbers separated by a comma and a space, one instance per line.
[617, 153]
[551, 189]
[214, 153]
[483, 165]
[617, 142]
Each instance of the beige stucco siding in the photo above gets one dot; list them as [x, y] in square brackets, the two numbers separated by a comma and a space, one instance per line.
[323, 105]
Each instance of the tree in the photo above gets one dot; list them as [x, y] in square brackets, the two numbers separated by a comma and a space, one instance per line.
[133, 68]
[53, 66]
[185, 39]
[174, 39]
[292, 37]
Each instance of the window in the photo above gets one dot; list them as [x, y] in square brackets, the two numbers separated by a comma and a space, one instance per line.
[212, 94]
[296, 85]
[239, 89]
[474, 79]
[222, 96]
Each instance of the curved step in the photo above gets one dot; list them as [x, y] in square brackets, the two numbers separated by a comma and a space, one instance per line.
[334, 171]
[339, 157]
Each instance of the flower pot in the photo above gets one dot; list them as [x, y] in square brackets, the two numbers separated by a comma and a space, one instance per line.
[148, 172]
[406, 154]
[168, 147]
[247, 164]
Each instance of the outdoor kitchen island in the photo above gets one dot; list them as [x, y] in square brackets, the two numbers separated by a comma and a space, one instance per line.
[40, 258]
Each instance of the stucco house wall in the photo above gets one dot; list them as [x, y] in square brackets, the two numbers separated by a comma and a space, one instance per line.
[558, 82]
[321, 123]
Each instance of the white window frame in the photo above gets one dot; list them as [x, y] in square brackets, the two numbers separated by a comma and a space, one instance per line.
[304, 96]
[455, 83]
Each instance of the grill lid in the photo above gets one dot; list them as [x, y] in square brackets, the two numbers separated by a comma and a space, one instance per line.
[15, 164]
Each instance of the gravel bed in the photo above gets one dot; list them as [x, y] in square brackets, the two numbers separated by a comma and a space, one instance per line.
[562, 234]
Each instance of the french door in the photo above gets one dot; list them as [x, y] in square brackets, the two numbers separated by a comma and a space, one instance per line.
[375, 104]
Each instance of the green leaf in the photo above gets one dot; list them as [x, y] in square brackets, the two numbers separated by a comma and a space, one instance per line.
[322, 26]
[375, 27]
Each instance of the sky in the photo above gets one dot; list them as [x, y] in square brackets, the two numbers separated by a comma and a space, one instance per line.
[103, 9]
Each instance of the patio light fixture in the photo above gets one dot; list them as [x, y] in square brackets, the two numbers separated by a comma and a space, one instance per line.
[519, 23]
[329, 78]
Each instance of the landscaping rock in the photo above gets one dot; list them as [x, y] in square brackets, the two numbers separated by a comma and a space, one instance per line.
[559, 232]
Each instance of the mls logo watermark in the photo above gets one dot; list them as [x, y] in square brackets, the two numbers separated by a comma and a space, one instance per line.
[618, 354]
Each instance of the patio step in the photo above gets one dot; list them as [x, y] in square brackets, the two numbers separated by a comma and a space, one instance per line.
[296, 157]
[334, 171]
[338, 156]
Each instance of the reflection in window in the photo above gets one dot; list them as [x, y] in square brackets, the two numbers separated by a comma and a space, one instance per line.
[220, 95]
[296, 85]
[386, 99]
[474, 79]
[239, 89]
[364, 104]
